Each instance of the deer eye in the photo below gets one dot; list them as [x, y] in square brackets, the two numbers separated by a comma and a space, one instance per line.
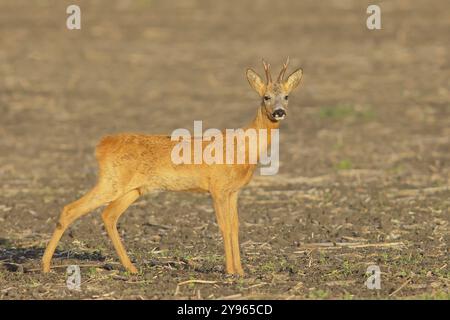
[266, 98]
[286, 97]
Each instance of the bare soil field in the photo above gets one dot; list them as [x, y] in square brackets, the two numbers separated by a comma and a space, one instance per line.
[365, 149]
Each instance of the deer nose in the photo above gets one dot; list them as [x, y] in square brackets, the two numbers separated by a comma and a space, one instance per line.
[279, 113]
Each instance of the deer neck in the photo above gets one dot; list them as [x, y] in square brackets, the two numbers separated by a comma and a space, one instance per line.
[262, 122]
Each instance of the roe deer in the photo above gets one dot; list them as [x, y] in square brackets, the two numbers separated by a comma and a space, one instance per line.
[133, 164]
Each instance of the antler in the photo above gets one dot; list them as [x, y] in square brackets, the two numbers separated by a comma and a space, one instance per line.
[283, 70]
[267, 71]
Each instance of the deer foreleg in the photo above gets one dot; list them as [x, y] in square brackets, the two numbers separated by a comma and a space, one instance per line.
[233, 212]
[221, 206]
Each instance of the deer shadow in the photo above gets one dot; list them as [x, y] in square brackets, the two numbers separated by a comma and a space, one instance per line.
[13, 257]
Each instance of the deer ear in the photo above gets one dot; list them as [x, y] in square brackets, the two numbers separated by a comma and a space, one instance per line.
[293, 80]
[256, 82]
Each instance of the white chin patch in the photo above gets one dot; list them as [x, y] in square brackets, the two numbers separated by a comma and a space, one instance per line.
[278, 118]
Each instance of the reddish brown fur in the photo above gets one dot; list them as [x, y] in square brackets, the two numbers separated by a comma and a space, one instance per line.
[133, 164]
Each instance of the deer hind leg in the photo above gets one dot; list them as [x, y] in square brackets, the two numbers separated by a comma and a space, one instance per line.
[92, 200]
[110, 217]
[234, 222]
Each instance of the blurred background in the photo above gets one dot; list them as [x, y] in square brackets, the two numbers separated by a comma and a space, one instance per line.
[364, 150]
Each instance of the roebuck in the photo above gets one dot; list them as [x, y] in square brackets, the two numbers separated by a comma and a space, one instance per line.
[133, 164]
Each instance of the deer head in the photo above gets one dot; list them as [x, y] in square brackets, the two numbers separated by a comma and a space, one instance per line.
[274, 95]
